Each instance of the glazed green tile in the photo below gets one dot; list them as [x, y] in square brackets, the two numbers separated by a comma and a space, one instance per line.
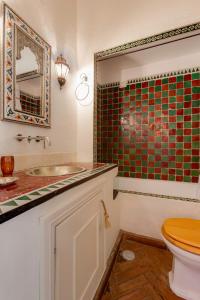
[132, 92]
[157, 151]
[195, 118]
[196, 90]
[187, 139]
[151, 157]
[145, 102]
[127, 87]
[172, 177]
[186, 178]
[126, 168]
[138, 85]
[138, 169]
[164, 80]
[179, 172]
[179, 145]
[187, 125]
[172, 112]
[151, 96]
[180, 92]
[195, 76]
[144, 90]
[187, 97]
[172, 86]
[24, 198]
[144, 176]
[172, 152]
[165, 107]
[132, 151]
[180, 105]
[152, 83]
[158, 139]
[172, 138]
[164, 171]
[179, 118]
[121, 94]
[151, 108]
[187, 84]
[172, 99]
[157, 164]
[187, 166]
[158, 101]
[172, 164]
[165, 94]
[151, 170]
[172, 125]
[144, 163]
[158, 88]
[158, 113]
[132, 163]
[179, 78]
[195, 159]
[195, 145]
[195, 104]
[187, 152]
[179, 158]
[194, 172]
[164, 145]
[195, 131]
[121, 174]
[10, 203]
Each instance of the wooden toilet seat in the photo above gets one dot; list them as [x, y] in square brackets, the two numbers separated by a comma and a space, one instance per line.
[183, 233]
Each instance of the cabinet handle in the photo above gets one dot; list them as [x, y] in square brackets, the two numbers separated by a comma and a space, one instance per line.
[106, 215]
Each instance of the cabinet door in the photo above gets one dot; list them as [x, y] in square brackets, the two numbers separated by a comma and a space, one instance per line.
[80, 253]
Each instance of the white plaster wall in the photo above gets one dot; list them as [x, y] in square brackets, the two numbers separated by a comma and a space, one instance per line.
[55, 21]
[105, 24]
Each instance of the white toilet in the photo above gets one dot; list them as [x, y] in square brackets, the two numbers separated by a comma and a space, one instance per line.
[182, 237]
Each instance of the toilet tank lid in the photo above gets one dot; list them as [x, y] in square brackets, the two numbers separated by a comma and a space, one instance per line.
[184, 230]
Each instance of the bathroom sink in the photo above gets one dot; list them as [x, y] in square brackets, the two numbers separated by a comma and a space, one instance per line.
[55, 170]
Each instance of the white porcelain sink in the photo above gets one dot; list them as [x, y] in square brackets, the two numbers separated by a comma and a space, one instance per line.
[55, 170]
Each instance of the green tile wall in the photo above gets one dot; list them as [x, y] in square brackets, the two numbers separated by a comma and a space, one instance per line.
[151, 128]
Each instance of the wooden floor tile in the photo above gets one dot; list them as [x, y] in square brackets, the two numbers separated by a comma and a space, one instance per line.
[144, 278]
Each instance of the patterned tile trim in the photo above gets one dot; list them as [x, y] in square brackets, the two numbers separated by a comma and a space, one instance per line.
[152, 77]
[36, 194]
[155, 38]
[160, 196]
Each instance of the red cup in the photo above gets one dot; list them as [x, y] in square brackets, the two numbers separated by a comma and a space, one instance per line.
[7, 165]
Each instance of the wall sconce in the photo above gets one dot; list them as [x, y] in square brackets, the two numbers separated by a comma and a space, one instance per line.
[62, 69]
[82, 89]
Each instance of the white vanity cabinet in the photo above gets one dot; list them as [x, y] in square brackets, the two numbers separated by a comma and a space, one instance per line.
[79, 252]
[75, 244]
[58, 250]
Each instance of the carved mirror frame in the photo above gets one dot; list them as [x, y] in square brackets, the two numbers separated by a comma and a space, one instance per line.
[11, 24]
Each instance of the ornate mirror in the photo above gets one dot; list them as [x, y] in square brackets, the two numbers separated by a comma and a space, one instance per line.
[26, 73]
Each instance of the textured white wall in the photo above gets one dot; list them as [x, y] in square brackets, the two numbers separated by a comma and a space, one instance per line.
[105, 24]
[55, 21]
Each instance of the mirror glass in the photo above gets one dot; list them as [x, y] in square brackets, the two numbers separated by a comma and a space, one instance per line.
[29, 75]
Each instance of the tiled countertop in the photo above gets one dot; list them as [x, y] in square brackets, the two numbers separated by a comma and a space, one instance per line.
[30, 191]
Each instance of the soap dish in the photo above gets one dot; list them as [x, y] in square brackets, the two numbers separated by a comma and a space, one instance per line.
[4, 181]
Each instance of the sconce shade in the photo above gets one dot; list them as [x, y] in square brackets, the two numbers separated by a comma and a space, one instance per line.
[62, 69]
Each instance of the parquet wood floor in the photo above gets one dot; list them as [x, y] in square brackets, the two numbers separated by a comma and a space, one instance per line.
[145, 278]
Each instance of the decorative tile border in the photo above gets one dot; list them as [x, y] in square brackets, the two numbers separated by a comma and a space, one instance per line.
[151, 77]
[160, 196]
[31, 199]
[155, 38]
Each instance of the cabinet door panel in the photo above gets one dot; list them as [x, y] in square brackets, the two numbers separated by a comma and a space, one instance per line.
[79, 253]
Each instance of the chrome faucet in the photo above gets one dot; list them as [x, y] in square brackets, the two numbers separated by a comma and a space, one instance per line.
[19, 137]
